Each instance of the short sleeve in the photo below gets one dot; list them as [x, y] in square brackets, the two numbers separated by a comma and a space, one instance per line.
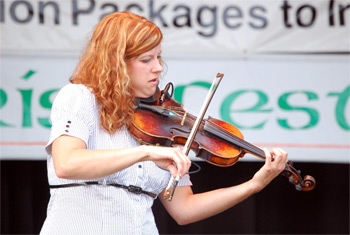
[72, 113]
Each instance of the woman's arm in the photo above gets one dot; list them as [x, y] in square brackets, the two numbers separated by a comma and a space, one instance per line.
[187, 207]
[73, 161]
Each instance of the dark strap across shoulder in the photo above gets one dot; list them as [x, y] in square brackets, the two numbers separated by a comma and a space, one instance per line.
[130, 188]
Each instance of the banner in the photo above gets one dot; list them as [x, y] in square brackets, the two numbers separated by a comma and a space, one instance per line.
[192, 27]
[300, 103]
[286, 68]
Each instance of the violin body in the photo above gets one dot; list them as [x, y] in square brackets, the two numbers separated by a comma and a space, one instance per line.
[172, 130]
[164, 122]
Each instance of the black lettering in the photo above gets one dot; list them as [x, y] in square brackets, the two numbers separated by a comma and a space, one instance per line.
[186, 16]
[263, 20]
[232, 12]
[153, 15]
[312, 18]
[331, 12]
[113, 6]
[213, 23]
[285, 7]
[342, 13]
[2, 11]
[55, 8]
[77, 11]
[29, 10]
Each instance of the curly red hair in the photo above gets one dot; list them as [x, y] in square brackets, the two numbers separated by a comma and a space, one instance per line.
[118, 38]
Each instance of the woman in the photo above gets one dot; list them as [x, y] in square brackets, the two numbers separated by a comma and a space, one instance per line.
[102, 180]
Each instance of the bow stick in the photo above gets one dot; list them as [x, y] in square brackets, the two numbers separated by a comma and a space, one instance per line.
[169, 191]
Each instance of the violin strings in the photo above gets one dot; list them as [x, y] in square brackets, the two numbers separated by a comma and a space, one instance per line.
[217, 130]
[259, 151]
[238, 141]
[214, 129]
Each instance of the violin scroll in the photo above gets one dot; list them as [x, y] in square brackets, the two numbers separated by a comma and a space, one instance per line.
[301, 184]
[308, 183]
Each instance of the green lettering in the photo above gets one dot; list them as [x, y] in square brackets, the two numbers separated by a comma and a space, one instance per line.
[28, 74]
[3, 100]
[47, 104]
[313, 114]
[179, 90]
[26, 110]
[340, 107]
[226, 109]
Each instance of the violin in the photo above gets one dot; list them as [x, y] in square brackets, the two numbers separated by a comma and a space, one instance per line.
[160, 120]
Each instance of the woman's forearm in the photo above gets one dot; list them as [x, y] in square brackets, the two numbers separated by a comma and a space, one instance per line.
[90, 164]
[203, 205]
[73, 161]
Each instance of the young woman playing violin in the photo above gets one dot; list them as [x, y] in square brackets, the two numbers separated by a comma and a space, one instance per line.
[102, 180]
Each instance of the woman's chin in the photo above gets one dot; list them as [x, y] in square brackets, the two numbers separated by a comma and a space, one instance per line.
[146, 94]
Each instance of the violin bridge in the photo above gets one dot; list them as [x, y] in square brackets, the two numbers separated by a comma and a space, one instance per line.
[184, 118]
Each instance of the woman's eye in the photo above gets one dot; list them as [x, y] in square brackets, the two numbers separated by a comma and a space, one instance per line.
[146, 60]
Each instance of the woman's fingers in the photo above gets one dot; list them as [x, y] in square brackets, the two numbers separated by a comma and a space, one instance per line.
[278, 158]
[275, 163]
[172, 159]
[182, 162]
[268, 157]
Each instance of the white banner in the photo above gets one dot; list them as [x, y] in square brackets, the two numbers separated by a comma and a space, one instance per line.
[191, 27]
[300, 103]
[285, 82]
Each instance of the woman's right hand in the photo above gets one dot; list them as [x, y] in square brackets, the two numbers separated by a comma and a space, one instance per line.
[165, 157]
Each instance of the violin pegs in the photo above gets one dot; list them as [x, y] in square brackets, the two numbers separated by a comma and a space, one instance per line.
[291, 179]
[298, 187]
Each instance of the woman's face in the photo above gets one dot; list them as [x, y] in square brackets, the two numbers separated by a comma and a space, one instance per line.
[144, 72]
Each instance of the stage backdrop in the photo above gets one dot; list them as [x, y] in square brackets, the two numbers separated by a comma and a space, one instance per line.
[285, 64]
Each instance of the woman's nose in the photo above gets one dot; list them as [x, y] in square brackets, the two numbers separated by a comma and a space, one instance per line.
[158, 67]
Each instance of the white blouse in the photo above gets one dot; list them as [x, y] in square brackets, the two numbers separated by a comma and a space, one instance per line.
[99, 209]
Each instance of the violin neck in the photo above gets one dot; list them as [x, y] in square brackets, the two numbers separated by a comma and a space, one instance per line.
[233, 139]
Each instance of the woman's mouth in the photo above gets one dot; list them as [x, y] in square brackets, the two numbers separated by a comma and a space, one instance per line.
[155, 81]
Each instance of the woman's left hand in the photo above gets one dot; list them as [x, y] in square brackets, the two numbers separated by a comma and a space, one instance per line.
[276, 160]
